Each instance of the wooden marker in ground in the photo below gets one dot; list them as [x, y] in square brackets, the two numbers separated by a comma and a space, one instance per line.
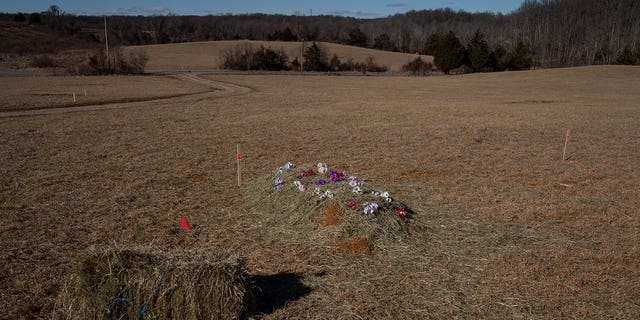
[566, 141]
[85, 92]
[238, 158]
[74, 97]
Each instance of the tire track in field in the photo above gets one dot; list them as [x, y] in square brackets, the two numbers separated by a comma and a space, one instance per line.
[219, 89]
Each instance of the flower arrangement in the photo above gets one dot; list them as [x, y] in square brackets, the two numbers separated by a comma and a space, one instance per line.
[329, 183]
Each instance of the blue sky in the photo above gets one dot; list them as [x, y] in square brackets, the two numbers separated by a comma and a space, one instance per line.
[358, 9]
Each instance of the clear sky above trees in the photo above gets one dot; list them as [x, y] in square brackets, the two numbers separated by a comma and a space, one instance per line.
[358, 9]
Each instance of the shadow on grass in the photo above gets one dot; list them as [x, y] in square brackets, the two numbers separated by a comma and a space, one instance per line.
[273, 292]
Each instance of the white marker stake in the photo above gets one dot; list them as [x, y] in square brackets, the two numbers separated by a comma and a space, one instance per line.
[566, 141]
[238, 158]
[74, 97]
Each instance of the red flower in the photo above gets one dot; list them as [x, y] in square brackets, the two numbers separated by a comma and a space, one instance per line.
[401, 212]
[308, 173]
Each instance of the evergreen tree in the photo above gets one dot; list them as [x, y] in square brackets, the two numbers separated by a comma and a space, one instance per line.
[479, 53]
[627, 57]
[450, 53]
[519, 58]
[268, 59]
[430, 45]
[315, 59]
[497, 59]
[357, 38]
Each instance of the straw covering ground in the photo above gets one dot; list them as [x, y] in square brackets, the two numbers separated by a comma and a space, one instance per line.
[333, 207]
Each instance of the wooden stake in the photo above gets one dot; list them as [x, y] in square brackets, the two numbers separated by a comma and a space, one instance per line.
[566, 141]
[74, 97]
[85, 92]
[238, 158]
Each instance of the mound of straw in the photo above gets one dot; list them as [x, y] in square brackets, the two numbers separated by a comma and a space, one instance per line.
[330, 212]
[147, 283]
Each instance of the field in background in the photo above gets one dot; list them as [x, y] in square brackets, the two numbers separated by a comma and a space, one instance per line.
[513, 231]
[38, 92]
[204, 56]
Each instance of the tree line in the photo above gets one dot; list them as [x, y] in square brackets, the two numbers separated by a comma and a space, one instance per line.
[314, 58]
[556, 33]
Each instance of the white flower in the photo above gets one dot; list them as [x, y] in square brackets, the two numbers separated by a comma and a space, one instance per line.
[375, 193]
[297, 183]
[289, 165]
[357, 190]
[277, 183]
[327, 194]
[388, 199]
[322, 168]
[370, 207]
[385, 194]
[317, 191]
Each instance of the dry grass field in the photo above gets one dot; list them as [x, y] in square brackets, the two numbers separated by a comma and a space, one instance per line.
[205, 56]
[512, 231]
[37, 92]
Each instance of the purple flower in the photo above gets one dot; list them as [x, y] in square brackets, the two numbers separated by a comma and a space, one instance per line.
[336, 176]
[321, 182]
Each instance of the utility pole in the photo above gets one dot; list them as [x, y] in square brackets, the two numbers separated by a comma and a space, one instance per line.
[302, 50]
[106, 41]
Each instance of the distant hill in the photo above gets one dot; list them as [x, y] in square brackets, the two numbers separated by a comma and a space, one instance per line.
[204, 56]
[21, 38]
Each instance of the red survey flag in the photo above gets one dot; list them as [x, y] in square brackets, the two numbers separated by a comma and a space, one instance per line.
[238, 156]
[184, 223]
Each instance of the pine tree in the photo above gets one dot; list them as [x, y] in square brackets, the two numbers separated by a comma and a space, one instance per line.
[627, 57]
[315, 59]
[431, 44]
[479, 53]
[450, 53]
[519, 58]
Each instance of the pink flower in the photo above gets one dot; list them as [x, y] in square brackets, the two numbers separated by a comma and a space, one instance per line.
[302, 188]
[353, 203]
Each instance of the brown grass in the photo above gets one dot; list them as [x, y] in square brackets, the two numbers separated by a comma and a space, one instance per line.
[37, 92]
[204, 56]
[511, 230]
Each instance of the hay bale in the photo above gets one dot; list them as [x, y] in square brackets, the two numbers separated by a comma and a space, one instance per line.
[147, 283]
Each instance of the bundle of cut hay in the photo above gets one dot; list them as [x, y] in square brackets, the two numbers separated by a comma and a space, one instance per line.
[147, 283]
[341, 209]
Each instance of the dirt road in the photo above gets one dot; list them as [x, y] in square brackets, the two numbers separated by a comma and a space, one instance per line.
[217, 89]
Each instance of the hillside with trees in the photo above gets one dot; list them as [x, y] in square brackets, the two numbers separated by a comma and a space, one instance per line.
[540, 33]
